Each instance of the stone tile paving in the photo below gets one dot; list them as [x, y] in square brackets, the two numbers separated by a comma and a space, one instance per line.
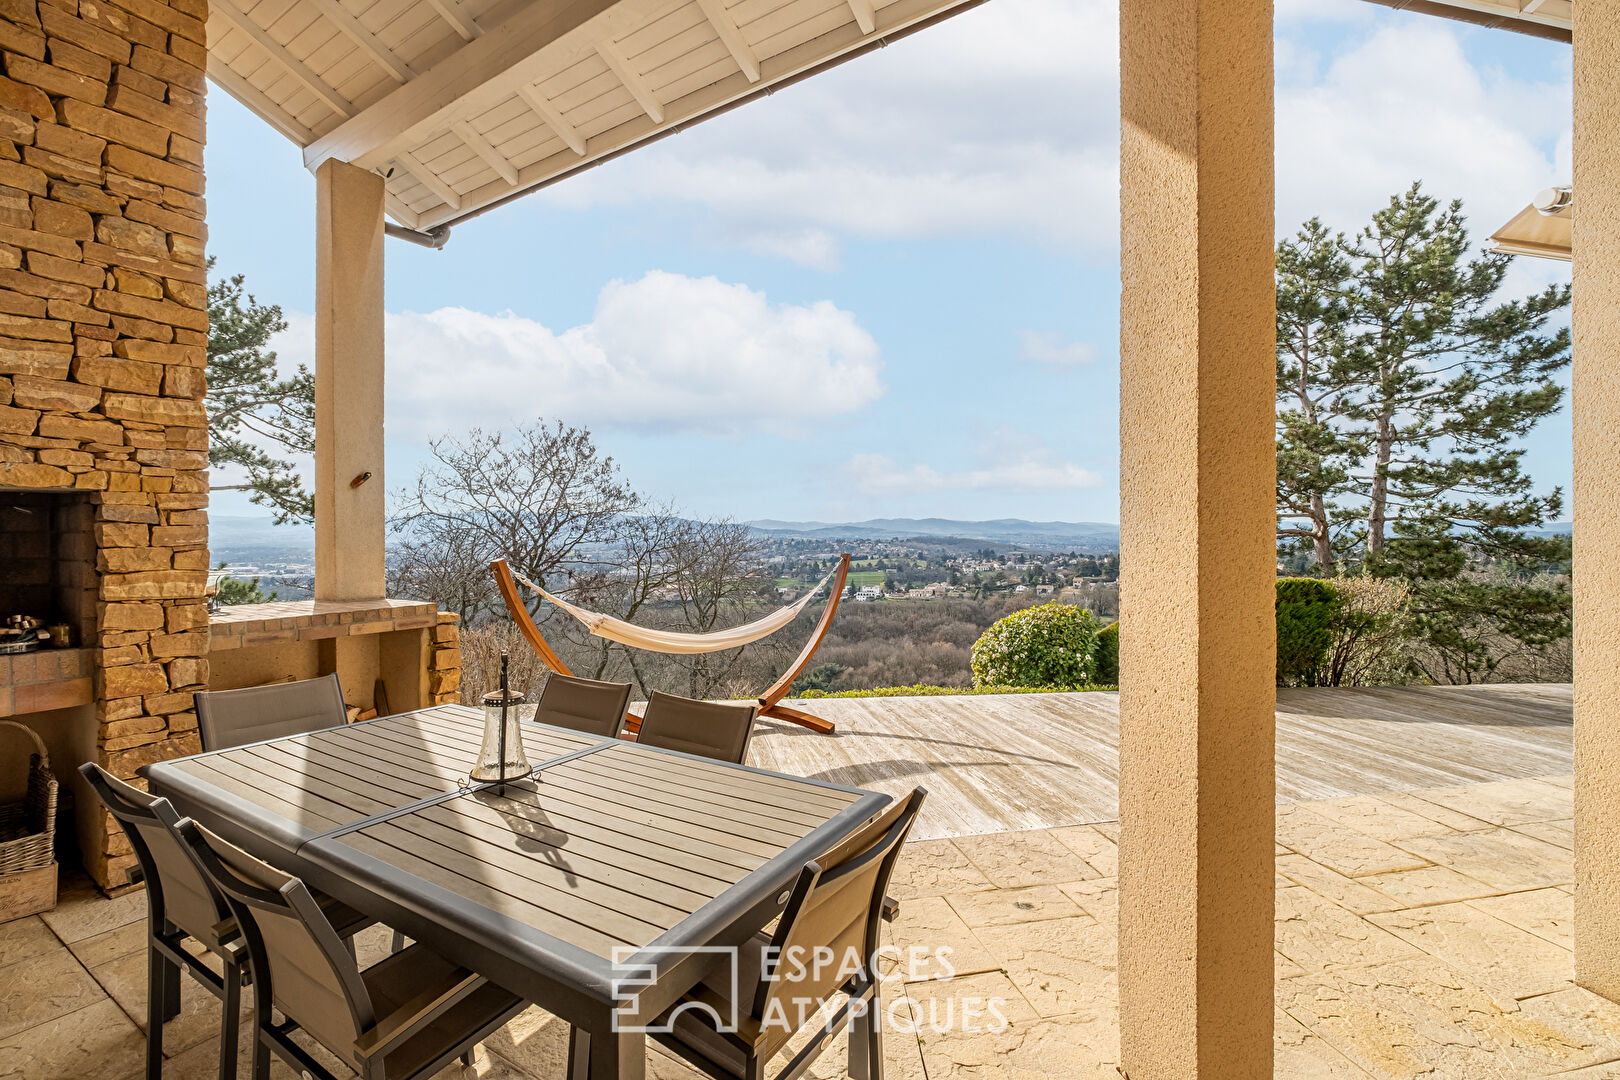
[1423, 934]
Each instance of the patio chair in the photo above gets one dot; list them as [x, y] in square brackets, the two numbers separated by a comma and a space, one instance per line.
[707, 728]
[404, 1017]
[181, 903]
[227, 718]
[835, 903]
[596, 708]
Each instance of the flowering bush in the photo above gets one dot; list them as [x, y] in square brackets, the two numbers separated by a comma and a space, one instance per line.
[1049, 646]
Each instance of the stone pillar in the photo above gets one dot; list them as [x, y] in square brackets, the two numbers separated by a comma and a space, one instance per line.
[103, 334]
[350, 514]
[1595, 411]
[1197, 480]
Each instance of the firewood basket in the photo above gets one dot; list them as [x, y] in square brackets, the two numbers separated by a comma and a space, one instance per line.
[28, 828]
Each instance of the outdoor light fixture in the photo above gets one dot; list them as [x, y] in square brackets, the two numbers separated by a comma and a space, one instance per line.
[501, 757]
[1554, 200]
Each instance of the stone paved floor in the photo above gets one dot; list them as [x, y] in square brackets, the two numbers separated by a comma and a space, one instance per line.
[1421, 934]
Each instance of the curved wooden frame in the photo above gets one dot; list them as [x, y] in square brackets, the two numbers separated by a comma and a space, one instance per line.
[768, 701]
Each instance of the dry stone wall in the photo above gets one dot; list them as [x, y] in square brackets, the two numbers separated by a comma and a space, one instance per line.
[103, 327]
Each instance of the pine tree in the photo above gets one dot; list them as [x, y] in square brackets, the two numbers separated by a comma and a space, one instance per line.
[1447, 380]
[1405, 388]
[1314, 454]
[254, 415]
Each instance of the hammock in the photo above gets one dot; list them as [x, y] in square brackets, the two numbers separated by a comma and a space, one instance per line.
[611, 629]
[668, 641]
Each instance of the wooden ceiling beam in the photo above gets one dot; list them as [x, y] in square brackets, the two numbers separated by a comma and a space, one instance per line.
[339, 16]
[469, 81]
[414, 165]
[568, 133]
[731, 35]
[486, 150]
[278, 52]
[462, 23]
[865, 14]
[400, 212]
[614, 59]
[257, 101]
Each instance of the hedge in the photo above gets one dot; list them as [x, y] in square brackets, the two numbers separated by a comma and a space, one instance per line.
[924, 690]
[1306, 609]
[1107, 654]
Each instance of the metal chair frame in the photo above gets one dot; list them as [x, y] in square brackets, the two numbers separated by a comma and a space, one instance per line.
[378, 1036]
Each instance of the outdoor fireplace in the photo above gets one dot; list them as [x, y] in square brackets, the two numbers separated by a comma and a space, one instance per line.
[47, 569]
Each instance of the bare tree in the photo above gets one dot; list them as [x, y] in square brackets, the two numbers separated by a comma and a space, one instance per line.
[537, 497]
[675, 573]
[545, 499]
[723, 583]
[646, 561]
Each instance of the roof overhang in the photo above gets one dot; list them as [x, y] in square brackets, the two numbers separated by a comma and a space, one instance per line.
[1542, 229]
[462, 104]
[1539, 18]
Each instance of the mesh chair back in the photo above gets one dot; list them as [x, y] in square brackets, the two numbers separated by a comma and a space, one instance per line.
[596, 708]
[837, 904]
[708, 728]
[298, 959]
[227, 718]
[176, 890]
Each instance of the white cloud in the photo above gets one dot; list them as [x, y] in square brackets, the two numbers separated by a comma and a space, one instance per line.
[1406, 103]
[815, 248]
[1045, 347]
[1004, 122]
[1003, 119]
[664, 353]
[1008, 463]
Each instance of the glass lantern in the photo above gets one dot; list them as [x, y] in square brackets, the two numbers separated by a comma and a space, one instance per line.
[500, 756]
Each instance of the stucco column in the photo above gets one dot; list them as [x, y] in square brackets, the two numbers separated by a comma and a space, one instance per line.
[1595, 408]
[350, 520]
[1198, 563]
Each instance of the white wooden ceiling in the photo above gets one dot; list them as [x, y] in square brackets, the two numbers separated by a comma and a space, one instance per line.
[461, 103]
[1542, 18]
[464, 102]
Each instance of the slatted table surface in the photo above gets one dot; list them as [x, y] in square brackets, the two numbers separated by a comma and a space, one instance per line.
[612, 849]
[611, 858]
[308, 785]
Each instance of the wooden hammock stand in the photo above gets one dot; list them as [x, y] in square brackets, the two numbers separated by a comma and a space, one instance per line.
[769, 701]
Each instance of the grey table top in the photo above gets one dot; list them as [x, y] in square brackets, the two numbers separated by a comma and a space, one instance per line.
[613, 857]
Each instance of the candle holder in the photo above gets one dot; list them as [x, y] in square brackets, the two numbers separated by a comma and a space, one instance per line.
[500, 756]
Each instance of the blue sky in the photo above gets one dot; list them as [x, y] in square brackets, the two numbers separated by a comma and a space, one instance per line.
[892, 290]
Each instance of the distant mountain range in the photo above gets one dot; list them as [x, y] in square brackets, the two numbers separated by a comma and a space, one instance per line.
[1090, 536]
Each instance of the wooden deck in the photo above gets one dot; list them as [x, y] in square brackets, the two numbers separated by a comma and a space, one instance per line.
[1027, 761]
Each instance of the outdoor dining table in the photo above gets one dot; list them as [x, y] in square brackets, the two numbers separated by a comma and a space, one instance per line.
[601, 888]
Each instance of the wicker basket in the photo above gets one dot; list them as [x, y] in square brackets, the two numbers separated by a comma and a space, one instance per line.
[28, 828]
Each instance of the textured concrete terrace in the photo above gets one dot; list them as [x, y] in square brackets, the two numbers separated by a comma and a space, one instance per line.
[1421, 931]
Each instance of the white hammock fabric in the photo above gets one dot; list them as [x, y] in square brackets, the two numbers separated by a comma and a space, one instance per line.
[669, 641]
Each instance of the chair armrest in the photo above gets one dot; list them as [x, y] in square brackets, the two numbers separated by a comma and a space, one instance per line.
[416, 1014]
[135, 875]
